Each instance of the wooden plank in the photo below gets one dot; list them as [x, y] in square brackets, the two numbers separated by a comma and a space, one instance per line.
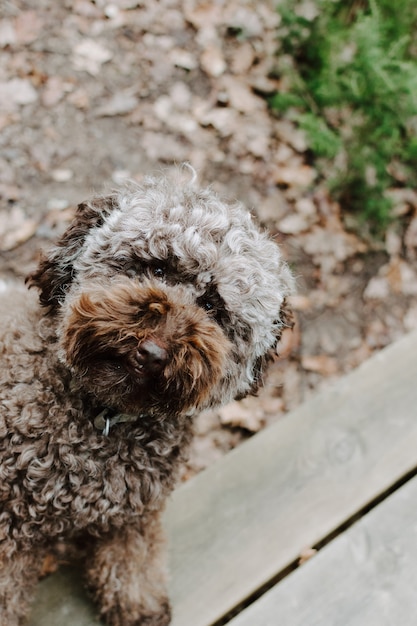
[247, 517]
[61, 601]
[365, 577]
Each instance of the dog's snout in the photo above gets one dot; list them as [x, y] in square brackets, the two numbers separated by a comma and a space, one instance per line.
[151, 356]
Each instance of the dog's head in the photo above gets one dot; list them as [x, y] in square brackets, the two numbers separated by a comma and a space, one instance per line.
[167, 299]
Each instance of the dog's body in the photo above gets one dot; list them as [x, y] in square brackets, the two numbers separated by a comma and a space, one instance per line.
[158, 302]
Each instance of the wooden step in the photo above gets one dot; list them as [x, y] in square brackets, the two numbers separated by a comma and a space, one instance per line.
[238, 524]
[365, 577]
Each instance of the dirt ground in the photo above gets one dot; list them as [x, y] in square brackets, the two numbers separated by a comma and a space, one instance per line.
[92, 93]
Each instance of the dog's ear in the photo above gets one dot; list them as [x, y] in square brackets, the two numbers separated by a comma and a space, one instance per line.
[285, 324]
[55, 271]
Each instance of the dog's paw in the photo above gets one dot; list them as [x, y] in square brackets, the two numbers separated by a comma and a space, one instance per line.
[137, 616]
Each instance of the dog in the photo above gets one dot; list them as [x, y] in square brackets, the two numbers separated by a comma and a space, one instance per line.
[160, 300]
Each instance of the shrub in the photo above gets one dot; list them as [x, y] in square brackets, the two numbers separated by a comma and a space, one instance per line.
[351, 83]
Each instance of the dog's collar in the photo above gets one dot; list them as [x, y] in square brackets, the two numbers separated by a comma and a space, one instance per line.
[109, 417]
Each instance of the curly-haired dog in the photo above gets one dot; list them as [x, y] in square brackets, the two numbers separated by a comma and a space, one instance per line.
[158, 301]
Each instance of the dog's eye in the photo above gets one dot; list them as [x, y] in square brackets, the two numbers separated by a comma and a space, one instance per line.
[207, 305]
[158, 271]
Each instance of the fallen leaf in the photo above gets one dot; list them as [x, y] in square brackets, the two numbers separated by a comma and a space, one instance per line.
[377, 289]
[15, 228]
[243, 58]
[288, 133]
[246, 414]
[393, 242]
[7, 33]
[16, 92]
[297, 175]
[61, 175]
[121, 103]
[27, 26]
[222, 119]
[163, 147]
[306, 554]
[54, 90]
[245, 19]
[410, 238]
[183, 58]
[271, 405]
[272, 207]
[322, 364]
[300, 302]
[294, 224]
[9, 192]
[80, 98]
[402, 278]
[212, 61]
[203, 15]
[329, 247]
[89, 56]
[241, 96]
[288, 342]
[410, 318]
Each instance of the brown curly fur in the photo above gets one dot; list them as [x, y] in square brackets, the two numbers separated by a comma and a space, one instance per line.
[151, 328]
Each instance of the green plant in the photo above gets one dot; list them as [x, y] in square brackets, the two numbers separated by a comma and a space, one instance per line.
[351, 72]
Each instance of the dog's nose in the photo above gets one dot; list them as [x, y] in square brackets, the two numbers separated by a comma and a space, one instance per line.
[151, 356]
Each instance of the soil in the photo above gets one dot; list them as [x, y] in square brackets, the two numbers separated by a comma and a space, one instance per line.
[92, 93]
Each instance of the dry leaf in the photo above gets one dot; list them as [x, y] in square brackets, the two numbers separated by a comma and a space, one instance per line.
[294, 224]
[245, 414]
[212, 61]
[7, 33]
[402, 278]
[243, 59]
[80, 99]
[306, 554]
[377, 289]
[322, 364]
[204, 15]
[329, 248]
[54, 91]
[241, 96]
[16, 92]
[222, 119]
[27, 26]
[410, 238]
[61, 175]
[183, 58]
[121, 103]
[15, 228]
[89, 56]
[288, 343]
[410, 318]
[296, 175]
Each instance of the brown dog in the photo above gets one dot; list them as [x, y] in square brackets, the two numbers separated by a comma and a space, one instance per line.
[159, 301]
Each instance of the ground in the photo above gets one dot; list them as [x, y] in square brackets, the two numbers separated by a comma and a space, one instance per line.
[92, 93]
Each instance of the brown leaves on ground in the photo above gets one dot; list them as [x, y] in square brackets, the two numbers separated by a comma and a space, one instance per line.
[94, 92]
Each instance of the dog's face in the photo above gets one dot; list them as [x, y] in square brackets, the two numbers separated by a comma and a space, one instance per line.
[168, 300]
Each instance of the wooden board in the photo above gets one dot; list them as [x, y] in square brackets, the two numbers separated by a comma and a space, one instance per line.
[246, 518]
[251, 514]
[366, 577]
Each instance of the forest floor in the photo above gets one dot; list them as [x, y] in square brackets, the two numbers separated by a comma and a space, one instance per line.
[92, 93]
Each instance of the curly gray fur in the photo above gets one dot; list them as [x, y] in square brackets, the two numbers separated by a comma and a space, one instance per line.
[159, 300]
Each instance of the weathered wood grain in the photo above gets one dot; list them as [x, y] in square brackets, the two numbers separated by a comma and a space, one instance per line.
[365, 577]
[246, 518]
[250, 515]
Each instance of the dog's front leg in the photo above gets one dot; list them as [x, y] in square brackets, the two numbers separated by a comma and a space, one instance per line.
[20, 568]
[127, 578]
